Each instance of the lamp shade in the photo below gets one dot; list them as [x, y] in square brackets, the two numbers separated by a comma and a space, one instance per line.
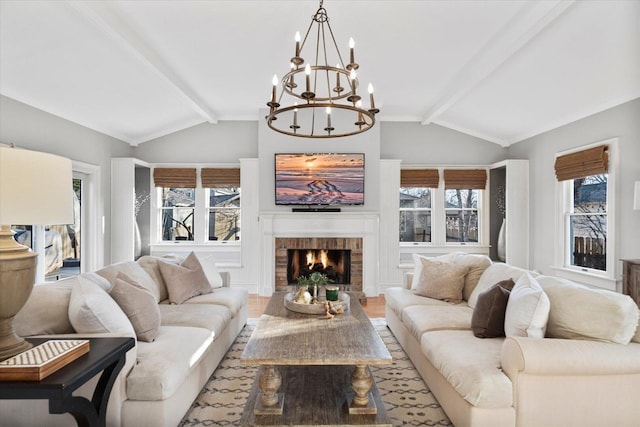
[636, 196]
[35, 188]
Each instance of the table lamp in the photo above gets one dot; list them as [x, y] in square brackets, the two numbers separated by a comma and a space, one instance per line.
[35, 189]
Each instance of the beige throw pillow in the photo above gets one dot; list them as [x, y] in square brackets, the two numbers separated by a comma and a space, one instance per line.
[417, 265]
[477, 265]
[185, 280]
[441, 280]
[139, 304]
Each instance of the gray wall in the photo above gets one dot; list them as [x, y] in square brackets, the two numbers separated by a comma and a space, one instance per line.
[623, 122]
[34, 129]
[225, 142]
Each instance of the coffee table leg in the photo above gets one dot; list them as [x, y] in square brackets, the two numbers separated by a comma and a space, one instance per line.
[270, 402]
[361, 382]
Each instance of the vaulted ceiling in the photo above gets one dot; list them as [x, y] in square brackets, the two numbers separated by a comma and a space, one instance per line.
[499, 70]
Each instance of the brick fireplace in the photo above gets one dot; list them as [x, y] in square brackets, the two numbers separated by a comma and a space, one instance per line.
[343, 252]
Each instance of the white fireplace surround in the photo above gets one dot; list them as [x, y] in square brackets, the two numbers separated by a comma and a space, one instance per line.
[318, 224]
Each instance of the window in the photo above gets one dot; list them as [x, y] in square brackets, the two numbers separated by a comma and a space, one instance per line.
[461, 212]
[177, 212]
[224, 213]
[415, 214]
[416, 188]
[586, 217]
[586, 221]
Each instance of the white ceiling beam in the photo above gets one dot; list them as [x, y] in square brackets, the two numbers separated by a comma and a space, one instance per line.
[529, 22]
[103, 17]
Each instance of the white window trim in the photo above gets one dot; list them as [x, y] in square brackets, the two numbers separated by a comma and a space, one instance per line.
[438, 244]
[603, 279]
[200, 214]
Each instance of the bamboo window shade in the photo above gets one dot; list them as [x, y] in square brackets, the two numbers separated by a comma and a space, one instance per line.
[424, 178]
[174, 177]
[465, 179]
[220, 177]
[593, 161]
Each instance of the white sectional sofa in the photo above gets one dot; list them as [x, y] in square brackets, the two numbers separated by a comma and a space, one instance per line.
[162, 377]
[572, 376]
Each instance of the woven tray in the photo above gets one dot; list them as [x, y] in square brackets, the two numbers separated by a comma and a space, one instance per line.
[290, 304]
[43, 360]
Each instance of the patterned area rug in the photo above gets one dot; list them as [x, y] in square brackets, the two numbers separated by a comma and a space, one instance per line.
[408, 400]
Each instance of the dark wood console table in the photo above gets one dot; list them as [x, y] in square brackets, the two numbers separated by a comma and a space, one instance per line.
[631, 279]
[105, 354]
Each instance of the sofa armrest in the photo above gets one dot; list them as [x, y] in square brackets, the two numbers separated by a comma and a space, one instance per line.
[566, 357]
[226, 279]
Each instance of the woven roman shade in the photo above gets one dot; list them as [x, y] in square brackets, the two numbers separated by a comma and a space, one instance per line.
[174, 177]
[220, 177]
[465, 179]
[428, 178]
[593, 161]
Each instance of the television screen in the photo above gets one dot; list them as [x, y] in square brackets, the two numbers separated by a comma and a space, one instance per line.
[319, 179]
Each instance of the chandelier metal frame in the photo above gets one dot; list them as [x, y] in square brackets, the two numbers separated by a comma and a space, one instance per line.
[322, 93]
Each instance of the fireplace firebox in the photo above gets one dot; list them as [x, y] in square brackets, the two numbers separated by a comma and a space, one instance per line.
[334, 263]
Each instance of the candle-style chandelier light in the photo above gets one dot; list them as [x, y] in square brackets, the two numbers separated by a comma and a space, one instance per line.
[313, 103]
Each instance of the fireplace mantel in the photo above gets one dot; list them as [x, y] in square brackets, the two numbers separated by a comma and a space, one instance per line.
[319, 224]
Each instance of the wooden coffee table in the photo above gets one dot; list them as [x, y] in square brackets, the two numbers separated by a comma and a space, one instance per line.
[313, 370]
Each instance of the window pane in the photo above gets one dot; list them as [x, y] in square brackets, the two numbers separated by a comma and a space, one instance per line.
[178, 197]
[462, 225]
[177, 224]
[461, 199]
[224, 213]
[588, 234]
[590, 194]
[415, 226]
[415, 198]
[224, 224]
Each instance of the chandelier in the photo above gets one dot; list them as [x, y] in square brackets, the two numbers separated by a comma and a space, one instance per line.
[316, 99]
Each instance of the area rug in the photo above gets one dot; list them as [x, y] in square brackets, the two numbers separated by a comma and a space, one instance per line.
[408, 400]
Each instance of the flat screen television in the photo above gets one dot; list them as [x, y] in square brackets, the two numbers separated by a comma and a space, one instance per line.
[334, 179]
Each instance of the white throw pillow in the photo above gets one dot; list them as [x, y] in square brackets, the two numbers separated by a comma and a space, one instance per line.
[211, 271]
[527, 310]
[417, 266]
[92, 310]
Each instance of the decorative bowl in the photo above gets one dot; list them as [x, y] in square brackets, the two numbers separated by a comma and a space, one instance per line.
[290, 304]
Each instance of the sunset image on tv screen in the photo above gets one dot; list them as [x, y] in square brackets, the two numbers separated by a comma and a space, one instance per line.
[319, 179]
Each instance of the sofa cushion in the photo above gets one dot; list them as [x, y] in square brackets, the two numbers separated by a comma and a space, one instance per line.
[471, 366]
[441, 280]
[477, 265]
[397, 299]
[150, 265]
[423, 318]
[488, 314]
[417, 265]
[208, 316]
[586, 313]
[493, 274]
[133, 270]
[527, 310]
[164, 364]
[233, 298]
[46, 312]
[139, 304]
[184, 280]
[92, 310]
[636, 337]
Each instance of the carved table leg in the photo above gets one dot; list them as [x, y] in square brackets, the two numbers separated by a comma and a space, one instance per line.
[361, 382]
[270, 402]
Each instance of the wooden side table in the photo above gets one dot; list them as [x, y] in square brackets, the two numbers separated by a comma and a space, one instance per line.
[106, 354]
[631, 279]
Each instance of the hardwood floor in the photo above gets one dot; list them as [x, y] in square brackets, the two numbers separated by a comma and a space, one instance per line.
[374, 306]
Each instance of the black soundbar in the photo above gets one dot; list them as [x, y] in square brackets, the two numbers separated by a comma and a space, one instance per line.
[314, 209]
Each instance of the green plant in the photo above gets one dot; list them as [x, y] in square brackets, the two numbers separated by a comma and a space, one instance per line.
[315, 278]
